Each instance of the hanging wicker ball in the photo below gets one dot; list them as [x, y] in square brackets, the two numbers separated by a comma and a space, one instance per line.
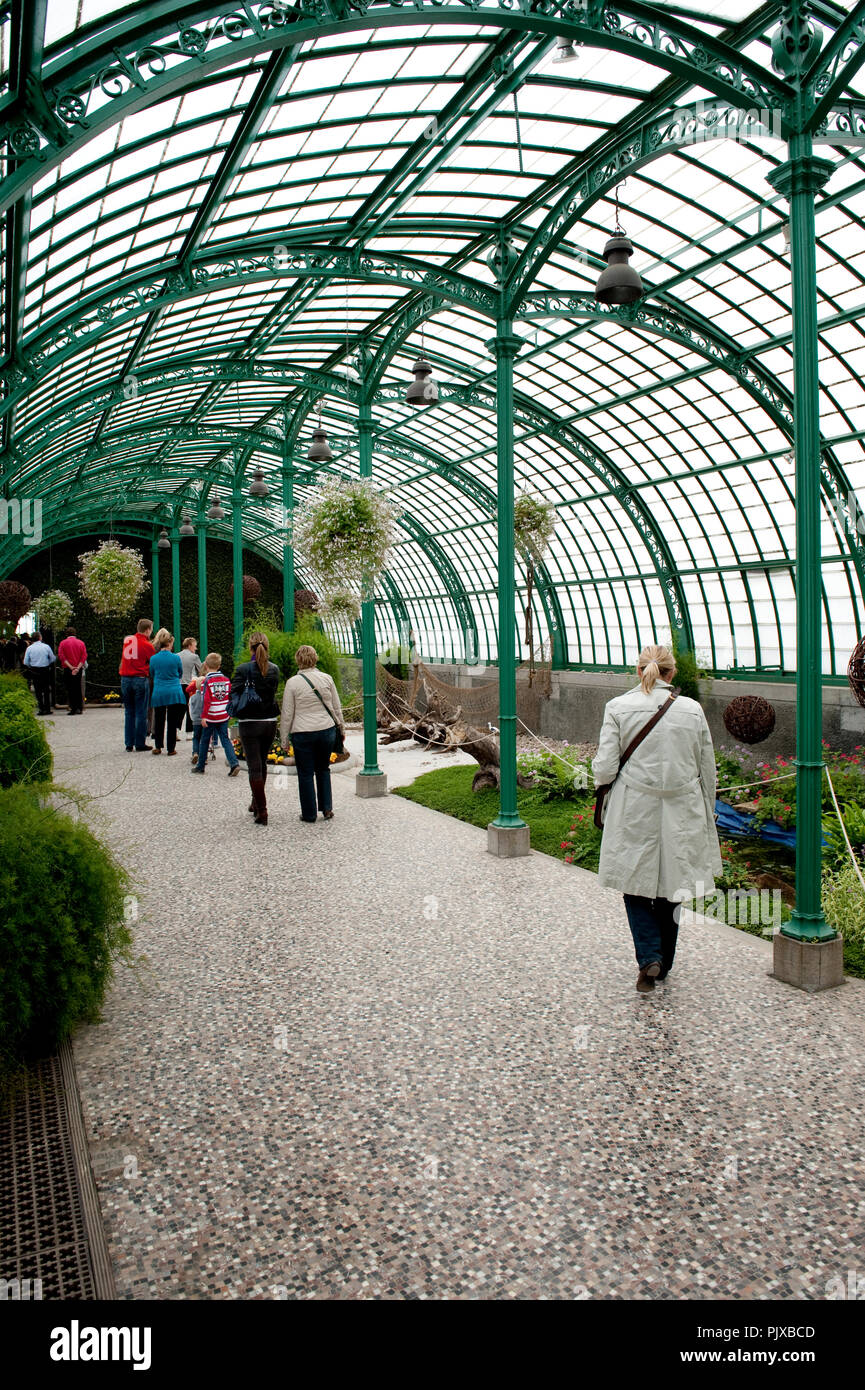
[856, 671]
[251, 589]
[749, 718]
[15, 600]
[305, 601]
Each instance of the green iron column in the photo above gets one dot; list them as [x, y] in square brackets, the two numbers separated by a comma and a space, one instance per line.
[799, 180]
[237, 562]
[202, 584]
[508, 834]
[175, 584]
[288, 549]
[154, 571]
[370, 781]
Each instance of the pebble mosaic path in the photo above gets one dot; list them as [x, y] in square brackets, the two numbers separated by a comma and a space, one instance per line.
[365, 1059]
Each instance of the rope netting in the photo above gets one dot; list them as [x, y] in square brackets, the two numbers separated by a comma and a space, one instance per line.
[425, 693]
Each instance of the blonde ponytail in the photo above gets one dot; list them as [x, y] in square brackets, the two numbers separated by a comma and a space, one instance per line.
[654, 664]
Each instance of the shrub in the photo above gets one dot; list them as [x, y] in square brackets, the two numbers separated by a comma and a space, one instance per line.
[688, 673]
[835, 853]
[567, 777]
[24, 752]
[62, 901]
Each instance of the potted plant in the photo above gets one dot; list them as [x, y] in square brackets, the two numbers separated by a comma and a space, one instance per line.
[112, 578]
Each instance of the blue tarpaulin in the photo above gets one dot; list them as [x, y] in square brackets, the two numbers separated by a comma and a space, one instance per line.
[731, 822]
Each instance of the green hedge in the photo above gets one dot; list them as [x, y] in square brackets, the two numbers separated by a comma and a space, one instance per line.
[24, 752]
[62, 927]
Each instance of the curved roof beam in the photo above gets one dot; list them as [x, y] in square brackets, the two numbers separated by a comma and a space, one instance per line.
[84, 88]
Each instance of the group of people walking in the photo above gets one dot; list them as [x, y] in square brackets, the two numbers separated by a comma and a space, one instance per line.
[177, 686]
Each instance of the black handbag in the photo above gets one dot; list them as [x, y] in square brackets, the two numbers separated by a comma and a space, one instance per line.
[242, 704]
[602, 793]
[339, 746]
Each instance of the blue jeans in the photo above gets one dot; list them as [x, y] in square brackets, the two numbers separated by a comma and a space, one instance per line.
[136, 694]
[219, 731]
[655, 929]
[312, 752]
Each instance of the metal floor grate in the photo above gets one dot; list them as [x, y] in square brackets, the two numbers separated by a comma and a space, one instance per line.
[43, 1228]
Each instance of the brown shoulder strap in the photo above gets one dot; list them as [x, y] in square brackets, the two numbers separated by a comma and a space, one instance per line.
[647, 729]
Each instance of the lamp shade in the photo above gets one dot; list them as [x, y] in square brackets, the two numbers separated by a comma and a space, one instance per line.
[186, 528]
[319, 450]
[215, 512]
[423, 390]
[163, 543]
[258, 487]
[619, 283]
[565, 51]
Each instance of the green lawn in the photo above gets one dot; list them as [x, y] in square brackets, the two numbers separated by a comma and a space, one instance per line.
[450, 790]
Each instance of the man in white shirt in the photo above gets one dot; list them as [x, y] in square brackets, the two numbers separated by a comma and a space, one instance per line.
[39, 658]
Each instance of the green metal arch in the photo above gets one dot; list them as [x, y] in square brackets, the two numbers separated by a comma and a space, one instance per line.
[61, 111]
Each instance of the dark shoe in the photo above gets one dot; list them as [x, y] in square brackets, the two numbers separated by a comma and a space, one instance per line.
[129, 748]
[156, 752]
[145, 748]
[260, 819]
[69, 713]
[233, 771]
[194, 759]
[172, 752]
[197, 771]
[653, 969]
[259, 800]
[645, 983]
[328, 815]
[308, 822]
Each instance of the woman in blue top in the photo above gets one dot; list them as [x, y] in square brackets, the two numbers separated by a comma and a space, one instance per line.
[168, 699]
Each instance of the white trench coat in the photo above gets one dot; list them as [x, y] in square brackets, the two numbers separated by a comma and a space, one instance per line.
[659, 839]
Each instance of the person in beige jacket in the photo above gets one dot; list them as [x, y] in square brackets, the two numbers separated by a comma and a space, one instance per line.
[660, 845]
[311, 715]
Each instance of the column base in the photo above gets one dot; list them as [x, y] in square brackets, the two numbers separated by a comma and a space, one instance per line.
[808, 965]
[370, 784]
[508, 841]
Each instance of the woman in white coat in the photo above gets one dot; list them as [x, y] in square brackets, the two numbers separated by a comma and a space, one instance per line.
[660, 845]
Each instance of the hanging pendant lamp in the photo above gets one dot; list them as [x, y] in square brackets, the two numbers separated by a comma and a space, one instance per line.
[187, 528]
[565, 51]
[423, 390]
[619, 283]
[319, 450]
[215, 512]
[163, 543]
[258, 487]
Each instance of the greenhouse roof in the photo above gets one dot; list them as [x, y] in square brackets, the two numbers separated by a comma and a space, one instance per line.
[209, 213]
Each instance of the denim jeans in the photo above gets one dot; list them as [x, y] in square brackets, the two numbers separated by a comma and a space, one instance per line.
[136, 695]
[655, 930]
[312, 752]
[211, 731]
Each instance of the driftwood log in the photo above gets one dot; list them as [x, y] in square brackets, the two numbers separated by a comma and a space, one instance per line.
[440, 730]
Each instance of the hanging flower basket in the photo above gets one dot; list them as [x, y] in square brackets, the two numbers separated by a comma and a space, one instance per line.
[749, 718]
[112, 579]
[15, 600]
[54, 609]
[534, 524]
[856, 671]
[344, 532]
[341, 606]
